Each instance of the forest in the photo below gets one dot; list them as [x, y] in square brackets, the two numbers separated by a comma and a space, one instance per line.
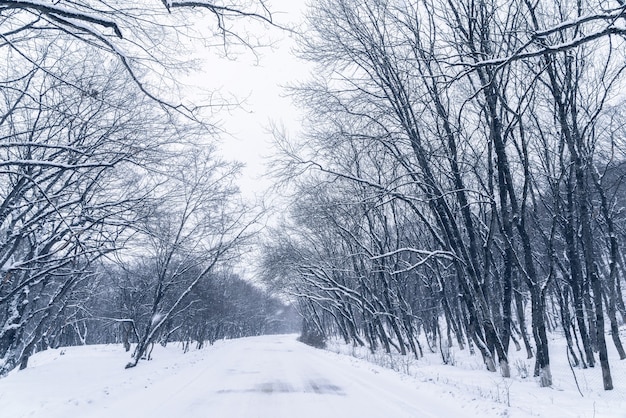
[458, 182]
[119, 220]
[460, 178]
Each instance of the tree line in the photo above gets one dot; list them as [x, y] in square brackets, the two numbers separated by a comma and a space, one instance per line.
[119, 221]
[460, 176]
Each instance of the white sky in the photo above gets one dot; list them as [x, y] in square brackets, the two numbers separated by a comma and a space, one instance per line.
[259, 81]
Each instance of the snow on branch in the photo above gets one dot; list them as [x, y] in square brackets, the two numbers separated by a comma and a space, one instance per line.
[115, 29]
[585, 28]
[42, 163]
[426, 257]
[572, 23]
[221, 10]
[549, 49]
[57, 11]
[427, 254]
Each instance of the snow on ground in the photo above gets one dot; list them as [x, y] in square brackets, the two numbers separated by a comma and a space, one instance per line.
[520, 396]
[276, 376]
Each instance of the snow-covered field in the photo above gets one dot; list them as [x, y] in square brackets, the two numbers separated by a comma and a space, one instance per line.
[276, 376]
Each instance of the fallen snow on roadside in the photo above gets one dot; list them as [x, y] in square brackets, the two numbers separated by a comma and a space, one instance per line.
[276, 376]
[576, 392]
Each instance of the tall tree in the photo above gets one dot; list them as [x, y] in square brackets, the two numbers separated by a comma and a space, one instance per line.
[470, 122]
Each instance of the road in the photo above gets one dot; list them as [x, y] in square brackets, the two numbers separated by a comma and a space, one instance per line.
[276, 377]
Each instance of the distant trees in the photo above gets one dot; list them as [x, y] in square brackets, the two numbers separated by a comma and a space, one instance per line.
[458, 170]
[196, 227]
[120, 303]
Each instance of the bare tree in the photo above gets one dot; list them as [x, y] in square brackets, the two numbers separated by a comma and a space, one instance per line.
[68, 189]
[470, 122]
[197, 226]
[145, 37]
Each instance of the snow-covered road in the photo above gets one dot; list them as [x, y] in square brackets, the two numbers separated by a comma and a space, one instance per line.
[276, 376]
[269, 377]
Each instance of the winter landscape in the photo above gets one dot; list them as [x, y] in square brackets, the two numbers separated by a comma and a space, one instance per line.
[355, 208]
[277, 376]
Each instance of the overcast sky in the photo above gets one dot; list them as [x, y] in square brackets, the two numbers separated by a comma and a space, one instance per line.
[261, 85]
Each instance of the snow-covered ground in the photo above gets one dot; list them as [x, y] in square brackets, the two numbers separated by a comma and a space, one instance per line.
[575, 392]
[276, 376]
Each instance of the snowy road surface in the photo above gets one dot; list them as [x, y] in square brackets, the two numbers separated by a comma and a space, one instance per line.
[276, 377]
[269, 377]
